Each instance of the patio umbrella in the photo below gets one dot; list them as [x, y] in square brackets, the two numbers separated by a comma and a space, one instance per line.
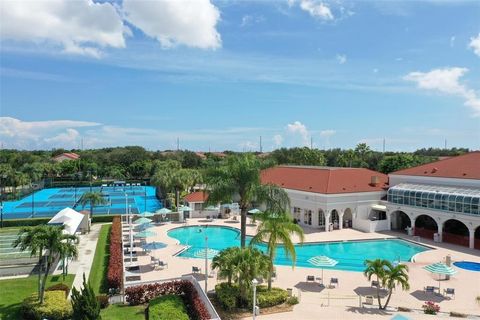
[254, 211]
[143, 220]
[211, 208]
[184, 208]
[322, 262]
[164, 211]
[147, 214]
[440, 269]
[155, 245]
[209, 254]
[145, 234]
[145, 226]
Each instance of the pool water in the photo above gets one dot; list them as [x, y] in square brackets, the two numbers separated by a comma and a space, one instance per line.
[468, 265]
[349, 254]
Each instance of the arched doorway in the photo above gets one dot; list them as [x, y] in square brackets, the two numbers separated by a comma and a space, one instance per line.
[477, 238]
[456, 232]
[347, 218]
[400, 221]
[321, 219]
[334, 219]
[425, 226]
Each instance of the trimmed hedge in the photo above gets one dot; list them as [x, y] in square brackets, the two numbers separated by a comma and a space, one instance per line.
[228, 296]
[115, 262]
[28, 222]
[59, 287]
[167, 307]
[55, 307]
[144, 293]
[103, 218]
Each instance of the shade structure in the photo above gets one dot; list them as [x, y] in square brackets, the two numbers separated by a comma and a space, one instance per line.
[210, 253]
[155, 245]
[145, 234]
[322, 262]
[254, 211]
[211, 208]
[147, 214]
[145, 226]
[440, 269]
[143, 220]
[184, 208]
[164, 211]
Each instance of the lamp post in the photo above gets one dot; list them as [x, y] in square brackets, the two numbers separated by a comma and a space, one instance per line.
[131, 235]
[206, 259]
[254, 285]
[2, 190]
[145, 205]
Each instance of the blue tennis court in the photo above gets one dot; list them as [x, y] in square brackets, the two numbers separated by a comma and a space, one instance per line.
[47, 202]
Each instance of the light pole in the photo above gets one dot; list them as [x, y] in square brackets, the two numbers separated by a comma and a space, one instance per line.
[254, 284]
[131, 236]
[33, 200]
[2, 190]
[206, 259]
[145, 196]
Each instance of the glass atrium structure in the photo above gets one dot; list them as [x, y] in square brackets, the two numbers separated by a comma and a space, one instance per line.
[452, 199]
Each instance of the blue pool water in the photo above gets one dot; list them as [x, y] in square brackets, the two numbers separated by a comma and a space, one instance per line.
[468, 265]
[349, 254]
[47, 202]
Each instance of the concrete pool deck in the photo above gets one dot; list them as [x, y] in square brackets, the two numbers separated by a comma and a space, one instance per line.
[343, 301]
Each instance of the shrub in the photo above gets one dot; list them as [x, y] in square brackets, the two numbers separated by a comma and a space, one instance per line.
[59, 287]
[103, 301]
[102, 218]
[292, 300]
[30, 222]
[404, 309]
[84, 303]
[115, 263]
[457, 314]
[227, 295]
[430, 307]
[54, 307]
[167, 307]
[268, 298]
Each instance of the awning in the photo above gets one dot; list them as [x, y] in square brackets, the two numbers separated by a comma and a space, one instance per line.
[379, 207]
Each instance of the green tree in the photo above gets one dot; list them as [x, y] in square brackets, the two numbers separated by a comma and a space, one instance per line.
[399, 161]
[93, 199]
[66, 252]
[35, 171]
[84, 303]
[299, 156]
[239, 179]
[276, 229]
[224, 261]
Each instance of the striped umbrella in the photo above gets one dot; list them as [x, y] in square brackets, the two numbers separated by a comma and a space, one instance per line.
[145, 226]
[440, 269]
[145, 234]
[164, 211]
[211, 208]
[143, 220]
[155, 245]
[209, 254]
[254, 211]
[147, 214]
[322, 262]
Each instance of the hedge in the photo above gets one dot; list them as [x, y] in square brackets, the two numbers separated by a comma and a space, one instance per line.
[115, 262]
[103, 218]
[55, 307]
[167, 307]
[145, 293]
[59, 287]
[228, 296]
[30, 222]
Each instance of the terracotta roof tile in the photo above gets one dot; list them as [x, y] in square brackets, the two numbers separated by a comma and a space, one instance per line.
[197, 196]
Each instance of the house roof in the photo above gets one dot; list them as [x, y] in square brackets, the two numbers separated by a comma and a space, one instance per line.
[325, 180]
[70, 155]
[197, 196]
[70, 219]
[466, 166]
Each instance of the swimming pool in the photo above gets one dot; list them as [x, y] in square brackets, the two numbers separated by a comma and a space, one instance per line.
[350, 254]
[47, 202]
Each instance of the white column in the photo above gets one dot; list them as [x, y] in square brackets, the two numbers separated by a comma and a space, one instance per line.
[340, 220]
[440, 231]
[327, 221]
[471, 243]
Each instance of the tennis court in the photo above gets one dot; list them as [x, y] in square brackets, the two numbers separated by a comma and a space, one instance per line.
[47, 202]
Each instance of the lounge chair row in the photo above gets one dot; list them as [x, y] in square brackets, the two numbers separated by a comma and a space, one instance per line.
[333, 281]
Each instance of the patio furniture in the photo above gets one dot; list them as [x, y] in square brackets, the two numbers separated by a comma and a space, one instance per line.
[196, 269]
[449, 291]
[375, 283]
[429, 289]
[368, 301]
[162, 264]
[333, 282]
[310, 279]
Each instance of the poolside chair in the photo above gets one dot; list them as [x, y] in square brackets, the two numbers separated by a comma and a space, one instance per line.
[368, 301]
[334, 282]
[429, 289]
[449, 291]
[196, 269]
[310, 278]
[375, 283]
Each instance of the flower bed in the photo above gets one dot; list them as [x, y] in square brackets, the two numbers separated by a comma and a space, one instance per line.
[115, 263]
[185, 289]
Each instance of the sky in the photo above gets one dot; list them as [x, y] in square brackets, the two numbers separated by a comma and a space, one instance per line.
[218, 75]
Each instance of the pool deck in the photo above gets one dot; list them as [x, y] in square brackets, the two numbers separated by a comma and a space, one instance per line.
[344, 301]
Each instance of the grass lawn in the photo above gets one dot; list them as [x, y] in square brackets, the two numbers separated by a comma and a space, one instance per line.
[13, 291]
[98, 273]
[120, 312]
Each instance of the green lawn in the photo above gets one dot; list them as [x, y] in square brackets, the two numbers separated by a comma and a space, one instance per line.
[123, 312]
[13, 291]
[98, 273]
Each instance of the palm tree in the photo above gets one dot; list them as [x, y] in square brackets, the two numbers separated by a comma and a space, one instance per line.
[93, 199]
[395, 275]
[239, 179]
[224, 262]
[277, 229]
[376, 268]
[66, 252]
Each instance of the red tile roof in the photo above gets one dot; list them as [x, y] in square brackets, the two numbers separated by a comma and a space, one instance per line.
[326, 180]
[197, 196]
[466, 166]
[70, 155]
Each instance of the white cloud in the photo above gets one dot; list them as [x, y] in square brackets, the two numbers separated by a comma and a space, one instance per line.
[341, 58]
[277, 140]
[317, 9]
[79, 27]
[190, 23]
[248, 20]
[452, 41]
[475, 44]
[298, 128]
[68, 139]
[447, 81]
[327, 133]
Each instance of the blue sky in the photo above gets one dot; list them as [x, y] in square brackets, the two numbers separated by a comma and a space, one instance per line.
[220, 74]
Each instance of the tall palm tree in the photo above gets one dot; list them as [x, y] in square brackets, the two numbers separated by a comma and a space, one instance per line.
[376, 268]
[93, 199]
[225, 263]
[276, 229]
[395, 275]
[66, 252]
[239, 179]
[250, 263]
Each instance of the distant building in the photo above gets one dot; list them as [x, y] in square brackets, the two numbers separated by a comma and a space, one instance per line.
[66, 156]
